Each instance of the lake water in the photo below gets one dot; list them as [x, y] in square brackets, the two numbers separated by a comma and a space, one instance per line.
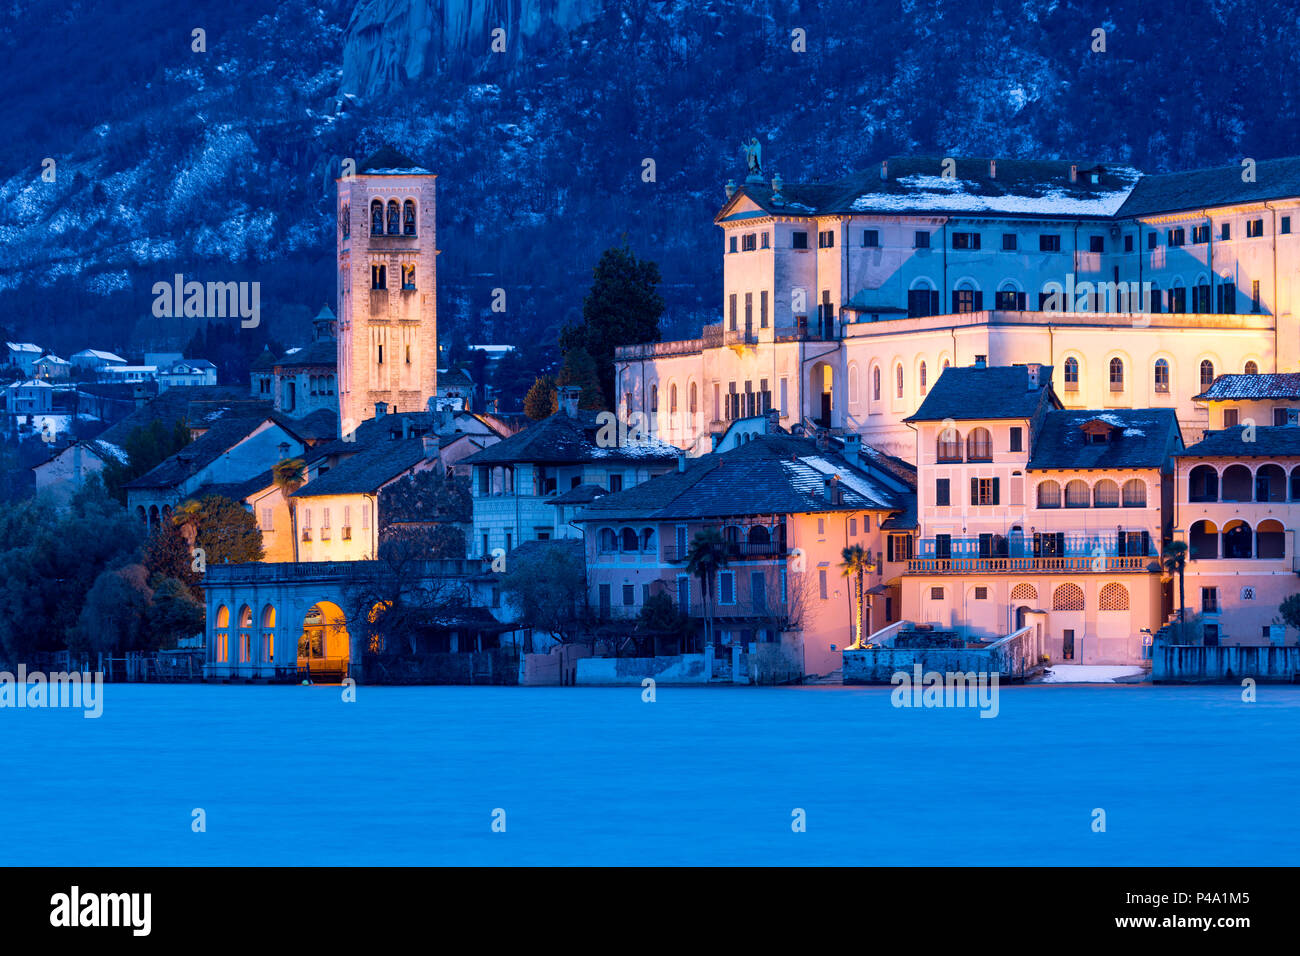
[294, 775]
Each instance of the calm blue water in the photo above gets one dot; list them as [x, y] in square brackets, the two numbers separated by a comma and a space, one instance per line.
[291, 775]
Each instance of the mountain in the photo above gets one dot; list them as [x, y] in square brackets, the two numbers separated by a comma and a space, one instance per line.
[219, 164]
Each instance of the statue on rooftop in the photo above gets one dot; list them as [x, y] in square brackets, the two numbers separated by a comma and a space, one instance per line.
[754, 159]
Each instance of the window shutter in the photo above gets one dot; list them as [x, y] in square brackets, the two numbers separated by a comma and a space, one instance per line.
[1146, 542]
[974, 491]
[934, 301]
[997, 500]
[1038, 545]
[978, 298]
[954, 300]
[1020, 301]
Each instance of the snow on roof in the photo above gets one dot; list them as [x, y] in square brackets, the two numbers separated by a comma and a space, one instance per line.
[23, 347]
[99, 354]
[863, 485]
[31, 383]
[943, 194]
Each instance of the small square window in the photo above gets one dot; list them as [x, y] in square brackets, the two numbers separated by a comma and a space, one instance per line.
[1008, 242]
[799, 240]
[936, 594]
[922, 240]
[981, 594]
[870, 238]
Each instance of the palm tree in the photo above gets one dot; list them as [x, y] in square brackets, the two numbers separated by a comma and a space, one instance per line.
[1174, 561]
[707, 556]
[186, 517]
[857, 564]
[289, 475]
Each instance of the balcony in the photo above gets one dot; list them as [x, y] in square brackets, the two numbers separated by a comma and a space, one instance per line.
[306, 534]
[1053, 552]
[347, 533]
[1062, 565]
[735, 552]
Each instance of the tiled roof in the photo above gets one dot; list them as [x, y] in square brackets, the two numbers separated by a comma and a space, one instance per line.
[1139, 438]
[1241, 386]
[388, 161]
[1222, 186]
[772, 474]
[368, 470]
[454, 376]
[321, 425]
[997, 392]
[193, 404]
[561, 439]
[1023, 188]
[320, 352]
[264, 362]
[222, 435]
[917, 184]
[584, 493]
[1269, 441]
[905, 520]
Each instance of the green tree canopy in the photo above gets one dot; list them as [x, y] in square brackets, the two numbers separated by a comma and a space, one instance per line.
[623, 307]
[228, 532]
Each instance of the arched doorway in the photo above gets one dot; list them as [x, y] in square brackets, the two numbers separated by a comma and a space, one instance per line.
[324, 650]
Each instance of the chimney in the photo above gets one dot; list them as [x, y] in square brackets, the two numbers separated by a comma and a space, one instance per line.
[430, 447]
[884, 169]
[406, 427]
[1074, 172]
[831, 490]
[823, 440]
[567, 398]
[1033, 368]
[381, 409]
[853, 448]
[681, 460]
[993, 169]
[773, 421]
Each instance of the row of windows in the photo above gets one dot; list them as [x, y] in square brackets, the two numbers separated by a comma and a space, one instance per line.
[1077, 494]
[1104, 494]
[1236, 541]
[392, 220]
[923, 299]
[750, 241]
[1238, 483]
[1159, 374]
[1047, 242]
[978, 444]
[733, 311]
[1066, 597]
[922, 380]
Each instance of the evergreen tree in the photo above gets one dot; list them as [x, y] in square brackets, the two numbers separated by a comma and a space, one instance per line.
[623, 308]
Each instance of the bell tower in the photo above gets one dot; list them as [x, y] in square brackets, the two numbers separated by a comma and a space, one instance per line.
[387, 288]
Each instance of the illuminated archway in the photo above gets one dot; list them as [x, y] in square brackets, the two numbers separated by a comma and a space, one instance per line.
[324, 649]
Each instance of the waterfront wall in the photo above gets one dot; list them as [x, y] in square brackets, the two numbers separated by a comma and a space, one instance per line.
[682, 669]
[1179, 663]
[1014, 658]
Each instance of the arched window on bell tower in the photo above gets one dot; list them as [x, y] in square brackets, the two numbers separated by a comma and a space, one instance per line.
[394, 224]
[377, 217]
[408, 217]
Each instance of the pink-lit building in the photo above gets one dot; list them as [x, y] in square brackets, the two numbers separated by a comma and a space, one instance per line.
[1030, 513]
[786, 508]
[1238, 508]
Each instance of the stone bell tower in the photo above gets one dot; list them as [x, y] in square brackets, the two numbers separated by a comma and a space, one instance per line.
[387, 288]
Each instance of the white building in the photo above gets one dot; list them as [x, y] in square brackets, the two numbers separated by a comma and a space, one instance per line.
[844, 301]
